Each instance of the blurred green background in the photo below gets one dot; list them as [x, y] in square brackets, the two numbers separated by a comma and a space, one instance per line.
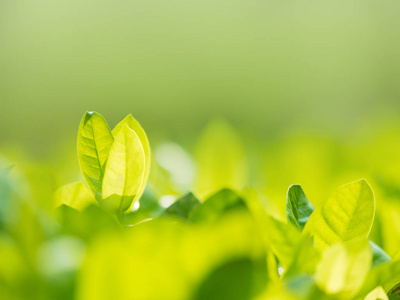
[315, 83]
[267, 66]
[238, 94]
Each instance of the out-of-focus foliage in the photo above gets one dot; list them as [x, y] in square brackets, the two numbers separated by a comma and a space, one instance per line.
[232, 238]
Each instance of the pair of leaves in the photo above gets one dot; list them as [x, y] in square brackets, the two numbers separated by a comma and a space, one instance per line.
[115, 164]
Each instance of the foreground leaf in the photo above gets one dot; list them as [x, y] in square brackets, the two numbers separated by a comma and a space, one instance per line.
[343, 268]
[298, 207]
[135, 126]
[347, 215]
[94, 143]
[124, 172]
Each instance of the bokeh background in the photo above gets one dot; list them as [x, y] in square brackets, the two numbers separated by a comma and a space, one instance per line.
[310, 88]
[252, 95]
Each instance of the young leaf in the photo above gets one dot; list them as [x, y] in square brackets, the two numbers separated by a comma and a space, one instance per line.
[298, 208]
[347, 215]
[94, 142]
[135, 126]
[74, 195]
[124, 172]
[182, 207]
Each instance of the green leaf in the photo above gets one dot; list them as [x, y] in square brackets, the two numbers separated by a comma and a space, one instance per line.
[135, 126]
[379, 255]
[74, 195]
[124, 172]
[217, 205]
[182, 207]
[343, 268]
[94, 143]
[298, 208]
[347, 215]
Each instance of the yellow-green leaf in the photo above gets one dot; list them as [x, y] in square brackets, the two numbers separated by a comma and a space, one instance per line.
[135, 126]
[347, 215]
[344, 267]
[74, 195]
[124, 172]
[94, 142]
